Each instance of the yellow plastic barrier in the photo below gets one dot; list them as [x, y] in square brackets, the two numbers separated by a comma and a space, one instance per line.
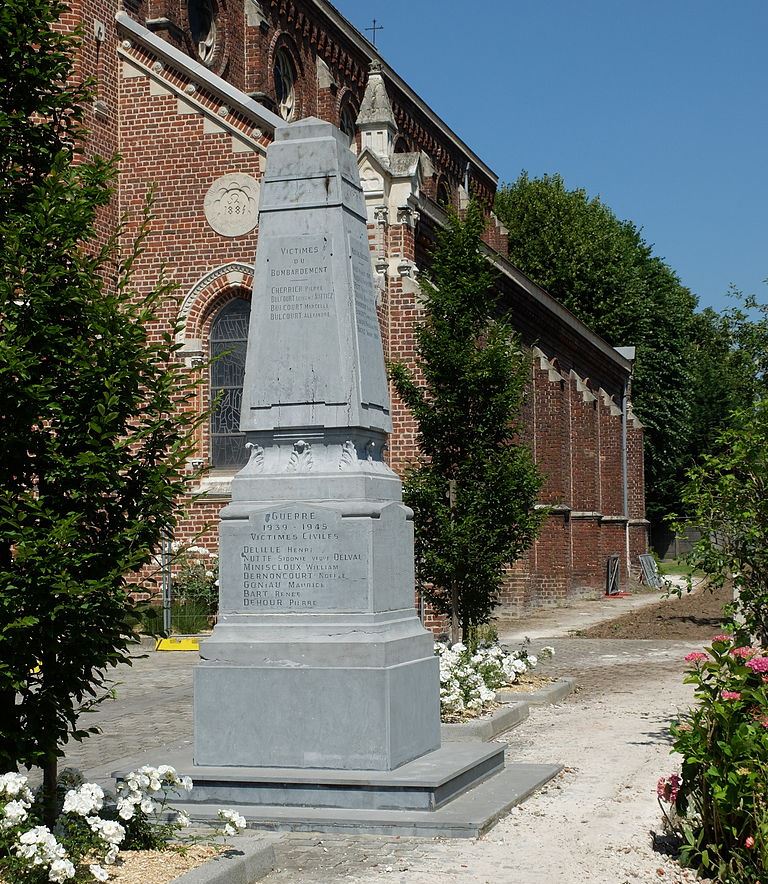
[178, 643]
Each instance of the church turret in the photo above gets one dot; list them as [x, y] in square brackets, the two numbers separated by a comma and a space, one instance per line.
[376, 121]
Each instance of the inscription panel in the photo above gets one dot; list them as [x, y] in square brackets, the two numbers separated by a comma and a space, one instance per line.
[300, 279]
[369, 348]
[297, 558]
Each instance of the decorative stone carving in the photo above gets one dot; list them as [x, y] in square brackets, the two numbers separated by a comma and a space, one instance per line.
[232, 204]
[381, 214]
[301, 458]
[348, 455]
[256, 460]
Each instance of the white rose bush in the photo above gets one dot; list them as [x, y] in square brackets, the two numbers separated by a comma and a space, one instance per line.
[86, 840]
[470, 678]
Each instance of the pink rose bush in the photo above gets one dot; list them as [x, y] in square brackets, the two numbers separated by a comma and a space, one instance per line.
[719, 802]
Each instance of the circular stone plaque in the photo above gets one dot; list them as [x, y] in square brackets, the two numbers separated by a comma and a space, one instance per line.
[232, 204]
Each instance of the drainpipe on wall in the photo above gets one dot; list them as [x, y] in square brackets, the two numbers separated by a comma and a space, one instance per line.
[629, 354]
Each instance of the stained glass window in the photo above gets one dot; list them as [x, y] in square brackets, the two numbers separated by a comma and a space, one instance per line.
[229, 333]
[202, 23]
[284, 82]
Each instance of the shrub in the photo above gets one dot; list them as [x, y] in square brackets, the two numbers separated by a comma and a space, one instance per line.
[86, 839]
[469, 678]
[721, 799]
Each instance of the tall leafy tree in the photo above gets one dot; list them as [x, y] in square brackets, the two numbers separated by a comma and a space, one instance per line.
[96, 431]
[726, 500]
[473, 494]
[601, 268]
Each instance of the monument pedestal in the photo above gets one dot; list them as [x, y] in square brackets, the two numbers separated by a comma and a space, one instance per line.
[317, 697]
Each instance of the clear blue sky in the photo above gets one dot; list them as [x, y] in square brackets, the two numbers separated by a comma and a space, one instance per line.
[659, 106]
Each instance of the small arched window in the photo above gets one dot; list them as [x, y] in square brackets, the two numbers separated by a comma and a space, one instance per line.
[285, 81]
[347, 121]
[444, 196]
[202, 24]
[229, 334]
[402, 146]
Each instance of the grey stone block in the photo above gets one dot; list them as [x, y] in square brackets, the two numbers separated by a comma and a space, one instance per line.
[468, 816]
[246, 860]
[552, 693]
[484, 729]
[426, 783]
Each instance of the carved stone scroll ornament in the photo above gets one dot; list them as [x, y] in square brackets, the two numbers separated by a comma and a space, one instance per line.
[256, 460]
[348, 455]
[301, 458]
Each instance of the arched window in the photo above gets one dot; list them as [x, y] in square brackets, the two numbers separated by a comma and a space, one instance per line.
[402, 146]
[347, 121]
[285, 80]
[202, 24]
[444, 196]
[229, 333]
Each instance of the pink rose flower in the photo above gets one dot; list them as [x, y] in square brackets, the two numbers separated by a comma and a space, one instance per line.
[749, 842]
[695, 657]
[731, 695]
[758, 664]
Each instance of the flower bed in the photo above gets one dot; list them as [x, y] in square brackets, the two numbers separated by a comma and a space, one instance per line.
[718, 805]
[90, 832]
[469, 679]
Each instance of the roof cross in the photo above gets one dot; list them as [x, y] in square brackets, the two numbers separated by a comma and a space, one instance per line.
[373, 30]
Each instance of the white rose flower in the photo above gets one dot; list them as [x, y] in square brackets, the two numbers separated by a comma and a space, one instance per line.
[99, 873]
[147, 805]
[61, 870]
[183, 820]
[15, 812]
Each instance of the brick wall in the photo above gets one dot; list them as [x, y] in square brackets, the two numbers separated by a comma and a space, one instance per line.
[177, 136]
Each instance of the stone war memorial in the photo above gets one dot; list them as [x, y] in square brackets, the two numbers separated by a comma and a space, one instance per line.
[316, 699]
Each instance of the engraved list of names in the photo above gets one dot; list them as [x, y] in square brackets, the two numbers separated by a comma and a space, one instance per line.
[299, 557]
[300, 279]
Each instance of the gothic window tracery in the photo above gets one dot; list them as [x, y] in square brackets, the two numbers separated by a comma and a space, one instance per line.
[285, 81]
[229, 334]
[202, 24]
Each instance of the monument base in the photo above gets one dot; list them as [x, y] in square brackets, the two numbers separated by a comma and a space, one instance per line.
[459, 790]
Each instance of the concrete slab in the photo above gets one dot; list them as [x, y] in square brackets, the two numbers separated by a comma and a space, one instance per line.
[468, 816]
[248, 859]
[552, 693]
[427, 783]
[485, 729]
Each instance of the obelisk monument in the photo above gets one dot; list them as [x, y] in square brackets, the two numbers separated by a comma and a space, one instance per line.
[318, 659]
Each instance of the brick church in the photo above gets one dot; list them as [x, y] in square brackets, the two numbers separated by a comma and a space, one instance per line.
[189, 93]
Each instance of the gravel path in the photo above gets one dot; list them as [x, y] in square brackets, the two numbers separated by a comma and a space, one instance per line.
[592, 825]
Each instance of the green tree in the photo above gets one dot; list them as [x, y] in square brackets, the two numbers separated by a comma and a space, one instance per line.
[96, 430]
[601, 268]
[473, 494]
[726, 499]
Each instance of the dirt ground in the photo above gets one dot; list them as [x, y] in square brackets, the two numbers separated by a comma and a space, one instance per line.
[696, 615]
[594, 823]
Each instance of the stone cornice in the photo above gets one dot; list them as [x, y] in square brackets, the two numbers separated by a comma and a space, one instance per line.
[233, 98]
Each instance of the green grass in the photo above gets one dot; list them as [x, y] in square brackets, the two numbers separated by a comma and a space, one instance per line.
[678, 568]
[187, 618]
